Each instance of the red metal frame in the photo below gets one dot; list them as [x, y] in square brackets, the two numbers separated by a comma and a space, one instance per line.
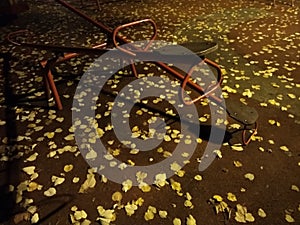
[210, 89]
[119, 28]
[123, 40]
[133, 52]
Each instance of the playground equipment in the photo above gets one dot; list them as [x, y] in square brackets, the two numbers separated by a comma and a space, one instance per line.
[241, 113]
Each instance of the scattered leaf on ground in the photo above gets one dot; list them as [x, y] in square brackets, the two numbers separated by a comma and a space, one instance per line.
[249, 176]
[50, 192]
[261, 213]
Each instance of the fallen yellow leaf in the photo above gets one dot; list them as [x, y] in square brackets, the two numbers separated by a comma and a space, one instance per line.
[284, 148]
[68, 168]
[57, 180]
[149, 215]
[127, 184]
[218, 154]
[144, 187]
[289, 218]
[249, 217]
[29, 170]
[218, 198]
[237, 147]
[188, 204]
[92, 154]
[50, 192]
[292, 96]
[231, 197]
[160, 180]
[261, 213]
[78, 215]
[32, 157]
[176, 221]
[198, 177]
[130, 209]
[35, 218]
[237, 164]
[90, 182]
[117, 196]
[163, 214]
[190, 220]
[32, 186]
[249, 176]
[175, 166]
[49, 134]
[75, 180]
[295, 188]
[176, 186]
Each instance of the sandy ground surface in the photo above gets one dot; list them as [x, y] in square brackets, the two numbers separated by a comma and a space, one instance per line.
[44, 177]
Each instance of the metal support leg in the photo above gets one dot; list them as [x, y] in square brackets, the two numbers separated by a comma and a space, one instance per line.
[49, 84]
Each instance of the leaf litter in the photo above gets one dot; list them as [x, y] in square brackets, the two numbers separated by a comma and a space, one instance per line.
[251, 91]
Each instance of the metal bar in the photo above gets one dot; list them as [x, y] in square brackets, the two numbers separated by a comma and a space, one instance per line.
[89, 19]
[50, 82]
[117, 30]
[246, 140]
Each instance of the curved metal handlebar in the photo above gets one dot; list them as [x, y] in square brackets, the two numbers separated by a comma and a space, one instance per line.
[209, 90]
[246, 140]
[117, 30]
[14, 34]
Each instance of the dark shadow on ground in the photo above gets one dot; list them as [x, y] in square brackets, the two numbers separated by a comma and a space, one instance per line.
[8, 169]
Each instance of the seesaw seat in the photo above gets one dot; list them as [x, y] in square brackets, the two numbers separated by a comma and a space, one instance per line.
[238, 111]
[199, 48]
[242, 113]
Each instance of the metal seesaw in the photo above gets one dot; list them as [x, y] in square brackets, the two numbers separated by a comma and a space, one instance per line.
[245, 115]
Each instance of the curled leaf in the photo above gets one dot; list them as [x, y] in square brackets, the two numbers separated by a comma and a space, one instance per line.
[249, 176]
[218, 198]
[68, 168]
[117, 196]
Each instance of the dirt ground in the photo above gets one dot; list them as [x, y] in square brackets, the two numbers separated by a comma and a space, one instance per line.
[44, 178]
